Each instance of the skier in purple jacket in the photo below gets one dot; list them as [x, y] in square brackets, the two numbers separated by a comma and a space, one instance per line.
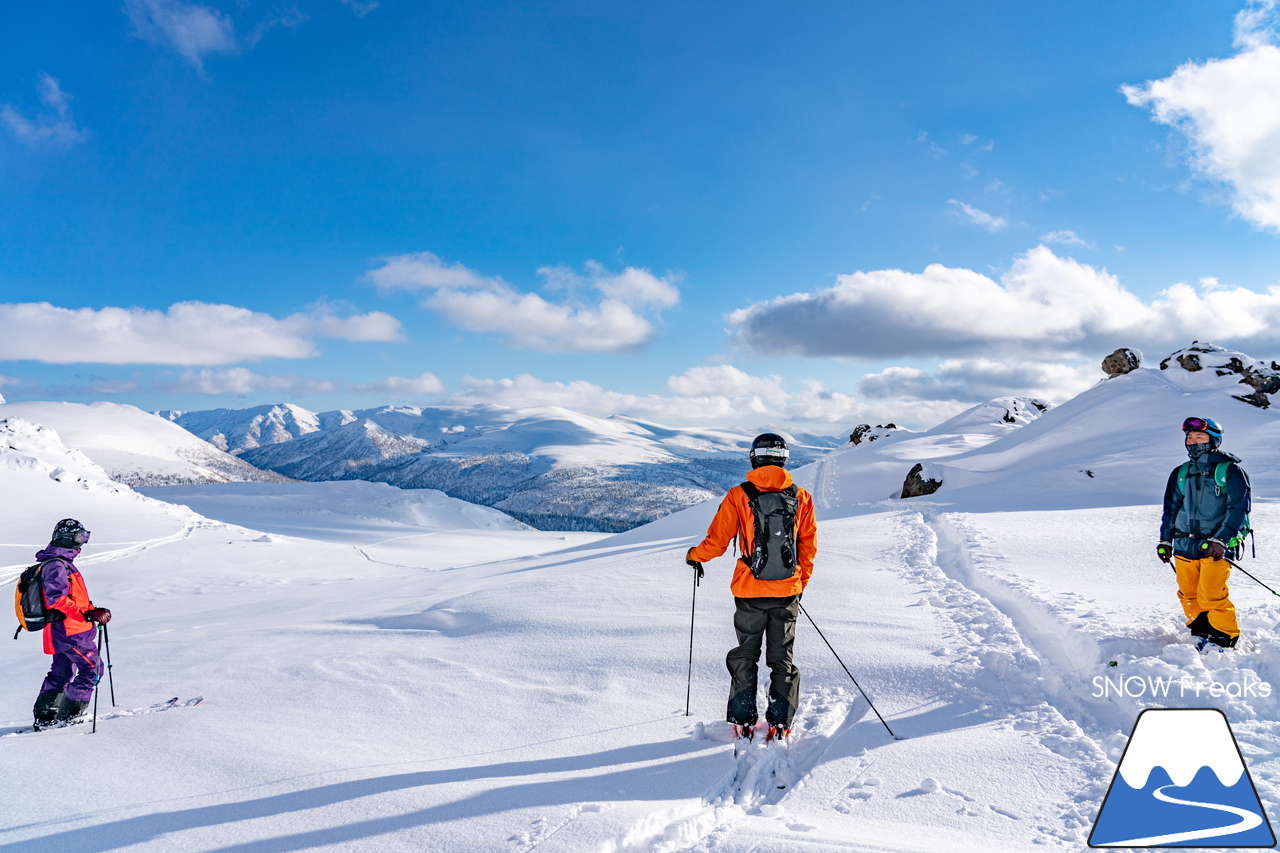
[71, 639]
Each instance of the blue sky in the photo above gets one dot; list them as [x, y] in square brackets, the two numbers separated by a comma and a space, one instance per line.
[734, 207]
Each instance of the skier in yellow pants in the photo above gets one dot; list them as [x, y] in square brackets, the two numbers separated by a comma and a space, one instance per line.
[1206, 516]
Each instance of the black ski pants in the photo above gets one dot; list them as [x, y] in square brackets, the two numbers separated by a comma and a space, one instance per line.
[758, 620]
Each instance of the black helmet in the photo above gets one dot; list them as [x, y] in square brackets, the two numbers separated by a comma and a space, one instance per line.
[69, 533]
[769, 449]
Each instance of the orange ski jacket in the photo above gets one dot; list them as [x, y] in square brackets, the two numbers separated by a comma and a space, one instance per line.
[735, 519]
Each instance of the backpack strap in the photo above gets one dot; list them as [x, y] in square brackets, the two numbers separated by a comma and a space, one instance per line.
[1182, 477]
[750, 488]
[1220, 477]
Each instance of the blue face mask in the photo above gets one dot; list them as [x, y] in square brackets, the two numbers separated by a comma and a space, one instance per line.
[1195, 451]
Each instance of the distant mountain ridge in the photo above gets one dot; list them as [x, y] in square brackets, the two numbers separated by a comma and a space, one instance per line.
[549, 467]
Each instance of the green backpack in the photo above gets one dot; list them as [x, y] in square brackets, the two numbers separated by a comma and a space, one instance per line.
[1219, 486]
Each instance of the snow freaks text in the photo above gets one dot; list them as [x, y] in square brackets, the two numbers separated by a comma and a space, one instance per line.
[1136, 686]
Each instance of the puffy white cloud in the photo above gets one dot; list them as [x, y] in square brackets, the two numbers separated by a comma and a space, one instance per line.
[239, 381]
[976, 380]
[427, 383]
[725, 380]
[1044, 307]
[981, 218]
[56, 128]
[193, 30]
[1229, 111]
[188, 333]
[486, 304]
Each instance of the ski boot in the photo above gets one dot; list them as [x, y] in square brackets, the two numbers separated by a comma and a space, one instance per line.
[46, 709]
[71, 710]
[777, 732]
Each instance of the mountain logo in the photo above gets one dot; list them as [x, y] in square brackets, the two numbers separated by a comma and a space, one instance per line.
[1182, 782]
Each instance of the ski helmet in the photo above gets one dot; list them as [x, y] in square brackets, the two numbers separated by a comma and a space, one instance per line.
[769, 449]
[72, 531]
[1208, 426]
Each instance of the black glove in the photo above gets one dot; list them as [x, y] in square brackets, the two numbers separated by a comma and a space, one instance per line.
[698, 571]
[1213, 549]
[1165, 552]
[101, 615]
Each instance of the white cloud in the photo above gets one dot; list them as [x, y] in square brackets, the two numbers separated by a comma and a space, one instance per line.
[188, 333]
[1044, 307]
[611, 323]
[1064, 238]
[289, 18]
[427, 383]
[1229, 110]
[361, 9]
[239, 381]
[56, 128]
[811, 407]
[191, 29]
[725, 380]
[981, 218]
[980, 379]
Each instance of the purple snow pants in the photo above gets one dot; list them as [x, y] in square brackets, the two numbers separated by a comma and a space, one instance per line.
[76, 666]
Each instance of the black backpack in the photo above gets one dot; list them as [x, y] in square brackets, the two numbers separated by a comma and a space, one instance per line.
[773, 553]
[28, 600]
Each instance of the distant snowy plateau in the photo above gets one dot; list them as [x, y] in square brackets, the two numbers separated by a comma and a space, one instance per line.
[398, 670]
[549, 467]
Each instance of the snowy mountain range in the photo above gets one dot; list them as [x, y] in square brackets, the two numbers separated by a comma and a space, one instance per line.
[549, 467]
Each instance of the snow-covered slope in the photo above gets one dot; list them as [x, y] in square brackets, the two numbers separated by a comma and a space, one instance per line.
[550, 467]
[1112, 445]
[138, 448]
[42, 480]
[355, 702]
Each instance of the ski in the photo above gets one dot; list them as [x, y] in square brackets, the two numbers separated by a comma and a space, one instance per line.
[175, 702]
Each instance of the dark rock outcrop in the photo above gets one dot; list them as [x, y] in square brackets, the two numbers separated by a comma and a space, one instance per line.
[860, 432]
[1122, 361]
[1262, 376]
[917, 484]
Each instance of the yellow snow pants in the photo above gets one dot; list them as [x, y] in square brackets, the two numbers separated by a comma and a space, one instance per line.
[1202, 586]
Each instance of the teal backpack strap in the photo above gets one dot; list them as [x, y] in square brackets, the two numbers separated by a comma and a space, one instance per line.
[1182, 477]
[1220, 478]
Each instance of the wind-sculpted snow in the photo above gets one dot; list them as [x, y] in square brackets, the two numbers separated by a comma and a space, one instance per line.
[137, 448]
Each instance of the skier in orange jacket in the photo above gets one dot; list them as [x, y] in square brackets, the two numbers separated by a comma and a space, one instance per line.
[767, 583]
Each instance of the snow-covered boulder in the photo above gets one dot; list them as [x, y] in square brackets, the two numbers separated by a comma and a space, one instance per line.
[1122, 361]
[919, 483]
[869, 433]
[1201, 366]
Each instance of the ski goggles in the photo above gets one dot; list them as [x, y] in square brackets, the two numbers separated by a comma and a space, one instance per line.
[81, 537]
[1195, 424]
[771, 451]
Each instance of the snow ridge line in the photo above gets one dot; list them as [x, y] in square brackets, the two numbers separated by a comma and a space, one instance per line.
[996, 665]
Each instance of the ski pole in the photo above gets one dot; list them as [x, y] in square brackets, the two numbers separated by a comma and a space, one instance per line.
[1246, 571]
[688, 690]
[97, 679]
[846, 671]
[110, 682]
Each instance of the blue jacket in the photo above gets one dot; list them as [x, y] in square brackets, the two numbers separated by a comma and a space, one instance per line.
[1205, 512]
